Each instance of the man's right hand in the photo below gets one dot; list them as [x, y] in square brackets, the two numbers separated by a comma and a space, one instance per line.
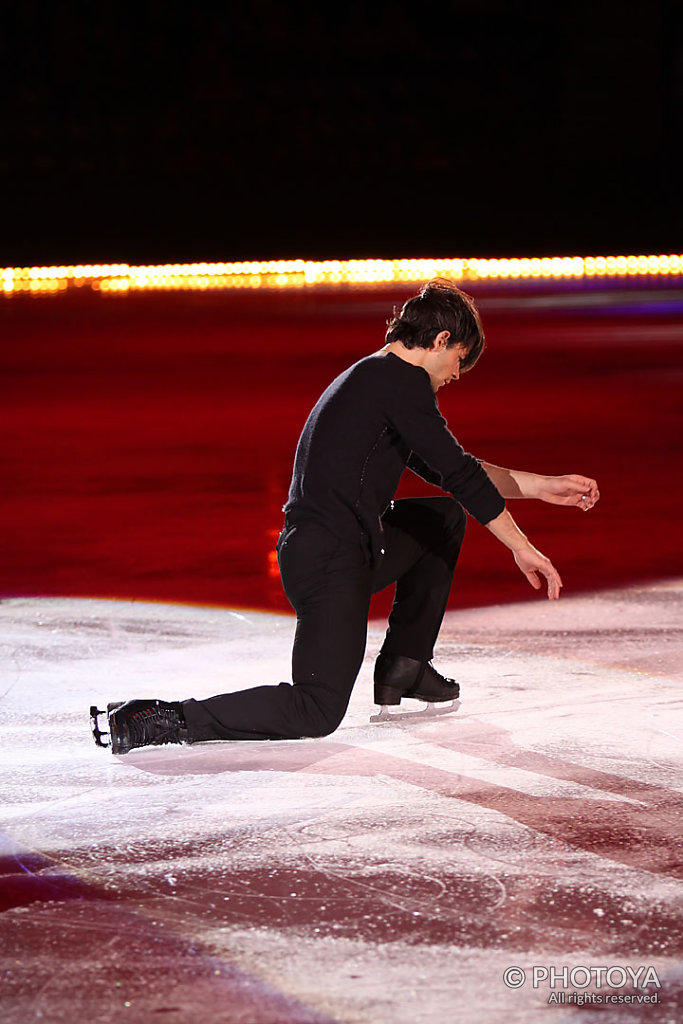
[532, 563]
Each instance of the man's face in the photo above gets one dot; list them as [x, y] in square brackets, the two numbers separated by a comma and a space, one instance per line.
[443, 364]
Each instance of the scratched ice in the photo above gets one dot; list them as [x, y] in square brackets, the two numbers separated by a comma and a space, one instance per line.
[387, 873]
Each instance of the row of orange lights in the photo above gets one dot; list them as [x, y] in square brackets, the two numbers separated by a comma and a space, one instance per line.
[120, 277]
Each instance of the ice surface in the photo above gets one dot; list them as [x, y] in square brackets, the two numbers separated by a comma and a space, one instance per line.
[387, 874]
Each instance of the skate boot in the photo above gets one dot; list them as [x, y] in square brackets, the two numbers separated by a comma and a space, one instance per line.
[397, 677]
[142, 723]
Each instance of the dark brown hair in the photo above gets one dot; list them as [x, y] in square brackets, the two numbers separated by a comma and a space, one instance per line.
[439, 306]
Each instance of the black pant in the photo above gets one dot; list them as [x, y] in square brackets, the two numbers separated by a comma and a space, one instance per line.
[329, 584]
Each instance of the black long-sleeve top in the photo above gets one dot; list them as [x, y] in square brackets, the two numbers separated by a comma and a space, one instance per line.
[376, 418]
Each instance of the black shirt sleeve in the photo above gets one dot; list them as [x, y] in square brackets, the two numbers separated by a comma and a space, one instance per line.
[419, 466]
[417, 419]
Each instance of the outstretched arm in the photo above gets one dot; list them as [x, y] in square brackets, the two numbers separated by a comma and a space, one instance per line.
[572, 489]
[529, 560]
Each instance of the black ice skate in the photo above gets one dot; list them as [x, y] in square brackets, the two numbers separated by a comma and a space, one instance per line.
[140, 723]
[397, 677]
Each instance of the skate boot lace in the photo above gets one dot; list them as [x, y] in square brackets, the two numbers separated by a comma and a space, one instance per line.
[154, 726]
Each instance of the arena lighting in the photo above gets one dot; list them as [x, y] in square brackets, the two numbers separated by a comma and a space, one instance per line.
[120, 278]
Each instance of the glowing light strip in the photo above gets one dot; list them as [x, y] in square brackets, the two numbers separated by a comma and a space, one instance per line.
[121, 278]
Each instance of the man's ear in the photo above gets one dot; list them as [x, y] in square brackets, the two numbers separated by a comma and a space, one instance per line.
[441, 339]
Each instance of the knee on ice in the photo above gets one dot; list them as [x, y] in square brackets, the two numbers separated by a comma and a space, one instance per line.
[321, 721]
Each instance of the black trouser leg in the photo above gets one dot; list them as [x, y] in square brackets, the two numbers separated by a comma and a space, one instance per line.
[328, 584]
[423, 537]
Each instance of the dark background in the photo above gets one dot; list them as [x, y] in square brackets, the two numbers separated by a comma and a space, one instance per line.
[253, 130]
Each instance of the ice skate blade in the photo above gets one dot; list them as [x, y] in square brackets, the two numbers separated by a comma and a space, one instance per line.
[99, 734]
[429, 712]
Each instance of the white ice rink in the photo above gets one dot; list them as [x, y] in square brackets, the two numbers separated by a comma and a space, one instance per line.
[388, 874]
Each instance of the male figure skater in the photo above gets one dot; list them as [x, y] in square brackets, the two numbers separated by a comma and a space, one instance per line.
[344, 538]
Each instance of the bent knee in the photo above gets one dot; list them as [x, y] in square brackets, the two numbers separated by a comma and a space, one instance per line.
[452, 515]
[455, 514]
[318, 714]
[325, 724]
[319, 732]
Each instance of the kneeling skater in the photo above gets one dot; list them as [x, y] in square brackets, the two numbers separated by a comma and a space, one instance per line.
[344, 538]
